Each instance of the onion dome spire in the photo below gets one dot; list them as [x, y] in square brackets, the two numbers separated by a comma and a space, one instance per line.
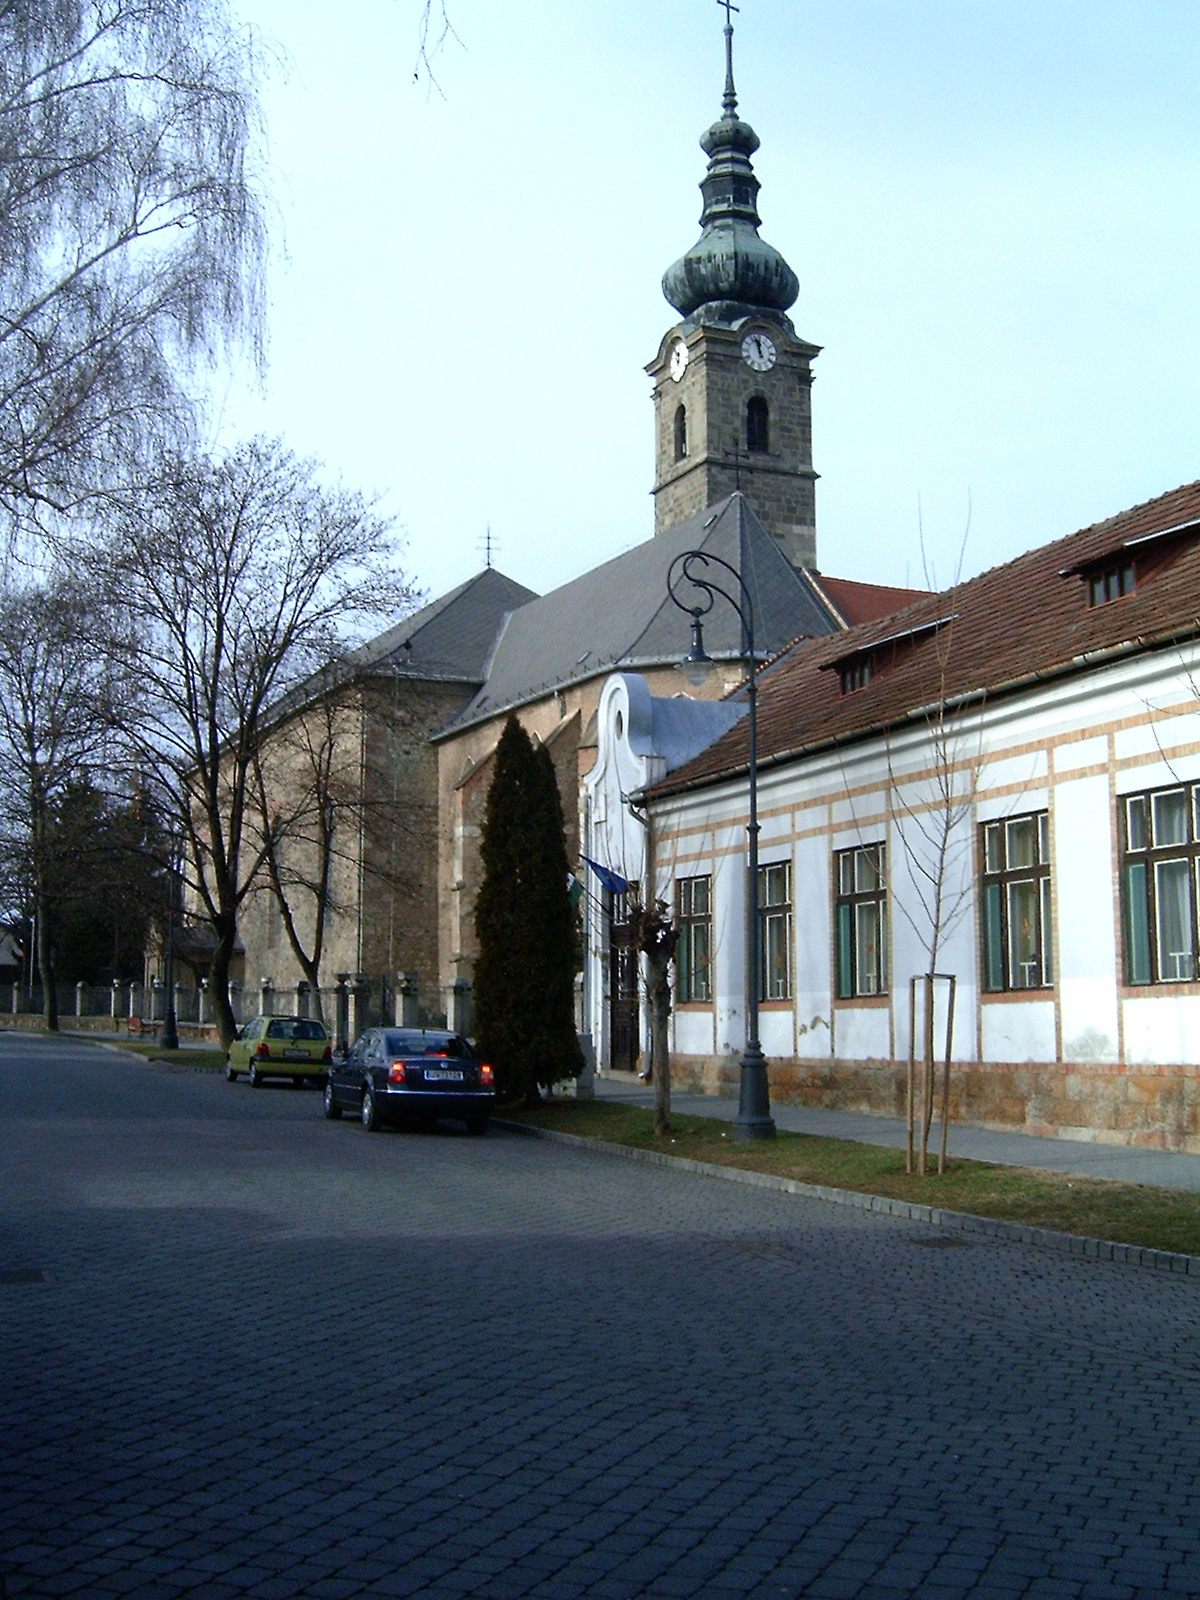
[730, 273]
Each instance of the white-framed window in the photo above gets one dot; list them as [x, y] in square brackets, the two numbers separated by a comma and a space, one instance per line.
[775, 931]
[1015, 885]
[1160, 861]
[860, 920]
[693, 953]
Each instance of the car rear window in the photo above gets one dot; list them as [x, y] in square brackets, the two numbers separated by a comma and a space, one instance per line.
[295, 1028]
[427, 1044]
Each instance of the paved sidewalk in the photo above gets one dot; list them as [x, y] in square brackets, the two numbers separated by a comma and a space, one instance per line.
[1167, 1169]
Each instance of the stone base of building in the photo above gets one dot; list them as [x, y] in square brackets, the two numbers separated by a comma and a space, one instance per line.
[1154, 1107]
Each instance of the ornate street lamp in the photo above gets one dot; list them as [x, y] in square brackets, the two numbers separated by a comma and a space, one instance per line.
[696, 569]
[169, 1037]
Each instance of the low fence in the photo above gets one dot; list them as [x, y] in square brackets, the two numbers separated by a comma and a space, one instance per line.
[351, 1005]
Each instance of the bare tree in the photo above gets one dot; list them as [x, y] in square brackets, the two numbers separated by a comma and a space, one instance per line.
[330, 808]
[241, 577]
[657, 937]
[307, 799]
[57, 692]
[434, 31]
[131, 232]
[932, 821]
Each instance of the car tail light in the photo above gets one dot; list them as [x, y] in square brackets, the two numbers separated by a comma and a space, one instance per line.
[396, 1072]
[486, 1076]
[328, 1056]
[264, 1050]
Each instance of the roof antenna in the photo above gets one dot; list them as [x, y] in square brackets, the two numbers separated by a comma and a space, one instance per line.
[729, 102]
[490, 546]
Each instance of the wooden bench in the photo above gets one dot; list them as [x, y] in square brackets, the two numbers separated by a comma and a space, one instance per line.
[141, 1027]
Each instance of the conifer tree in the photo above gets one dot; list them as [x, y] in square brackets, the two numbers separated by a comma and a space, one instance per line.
[525, 973]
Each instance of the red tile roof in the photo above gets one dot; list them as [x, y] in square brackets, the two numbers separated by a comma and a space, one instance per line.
[990, 635]
[863, 602]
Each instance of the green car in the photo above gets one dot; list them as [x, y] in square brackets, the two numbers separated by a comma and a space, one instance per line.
[280, 1047]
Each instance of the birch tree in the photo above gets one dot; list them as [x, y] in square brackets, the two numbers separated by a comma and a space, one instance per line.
[131, 230]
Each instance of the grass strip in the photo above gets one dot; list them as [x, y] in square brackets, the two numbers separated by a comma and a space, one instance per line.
[197, 1058]
[1094, 1208]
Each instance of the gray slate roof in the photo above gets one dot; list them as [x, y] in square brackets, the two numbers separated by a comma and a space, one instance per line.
[451, 638]
[619, 614]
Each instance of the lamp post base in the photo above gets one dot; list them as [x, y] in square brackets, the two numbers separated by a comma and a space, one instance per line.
[168, 1039]
[754, 1120]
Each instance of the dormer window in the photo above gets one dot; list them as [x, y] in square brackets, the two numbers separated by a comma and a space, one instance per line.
[1111, 583]
[855, 674]
[1111, 573]
[860, 667]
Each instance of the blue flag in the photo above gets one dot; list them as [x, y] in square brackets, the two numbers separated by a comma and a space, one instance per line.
[610, 880]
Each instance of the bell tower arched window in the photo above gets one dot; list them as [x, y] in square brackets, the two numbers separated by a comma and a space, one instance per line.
[758, 435]
[680, 433]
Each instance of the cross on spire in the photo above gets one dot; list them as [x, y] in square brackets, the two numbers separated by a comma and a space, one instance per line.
[729, 101]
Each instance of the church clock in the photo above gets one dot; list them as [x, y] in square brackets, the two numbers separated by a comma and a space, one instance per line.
[759, 352]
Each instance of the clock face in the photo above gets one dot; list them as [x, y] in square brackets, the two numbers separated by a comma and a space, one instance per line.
[758, 352]
[679, 359]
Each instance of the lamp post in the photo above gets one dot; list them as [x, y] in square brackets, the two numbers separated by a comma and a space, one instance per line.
[169, 1037]
[696, 569]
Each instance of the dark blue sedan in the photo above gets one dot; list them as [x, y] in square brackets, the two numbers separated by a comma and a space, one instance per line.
[396, 1075]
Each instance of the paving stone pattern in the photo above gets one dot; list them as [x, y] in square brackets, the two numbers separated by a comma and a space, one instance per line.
[276, 1357]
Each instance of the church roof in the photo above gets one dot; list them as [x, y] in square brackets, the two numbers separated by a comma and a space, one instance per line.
[1041, 617]
[857, 602]
[619, 615]
[451, 638]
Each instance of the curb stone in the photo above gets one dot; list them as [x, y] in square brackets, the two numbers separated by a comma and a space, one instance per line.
[1134, 1255]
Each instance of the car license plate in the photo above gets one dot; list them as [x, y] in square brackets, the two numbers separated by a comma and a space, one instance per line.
[295, 1055]
[442, 1075]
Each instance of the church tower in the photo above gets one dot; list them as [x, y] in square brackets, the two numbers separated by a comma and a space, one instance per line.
[732, 381]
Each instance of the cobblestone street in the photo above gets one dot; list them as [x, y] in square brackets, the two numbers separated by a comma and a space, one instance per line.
[272, 1356]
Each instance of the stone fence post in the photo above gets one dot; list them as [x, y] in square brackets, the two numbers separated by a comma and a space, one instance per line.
[303, 994]
[585, 1083]
[264, 997]
[360, 1004]
[462, 1017]
[79, 988]
[341, 1008]
[410, 1001]
[116, 1000]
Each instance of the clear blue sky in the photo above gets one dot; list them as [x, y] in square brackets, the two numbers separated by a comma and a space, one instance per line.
[991, 205]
